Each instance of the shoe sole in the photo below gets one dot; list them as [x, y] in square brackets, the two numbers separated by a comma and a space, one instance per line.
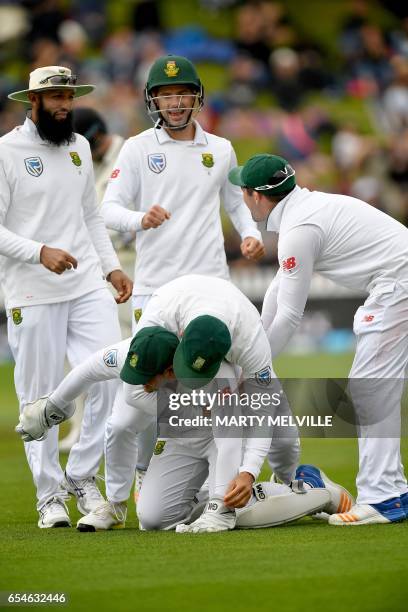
[91, 528]
[56, 525]
[373, 520]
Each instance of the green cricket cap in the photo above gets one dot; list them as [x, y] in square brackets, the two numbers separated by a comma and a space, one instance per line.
[205, 342]
[151, 352]
[268, 174]
[172, 70]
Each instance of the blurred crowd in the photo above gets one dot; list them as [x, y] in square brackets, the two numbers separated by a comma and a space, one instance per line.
[281, 87]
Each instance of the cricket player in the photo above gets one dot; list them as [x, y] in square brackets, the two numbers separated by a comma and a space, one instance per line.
[167, 186]
[359, 247]
[217, 323]
[57, 256]
[179, 467]
[219, 326]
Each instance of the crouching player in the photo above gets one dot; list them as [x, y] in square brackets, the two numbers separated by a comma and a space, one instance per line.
[232, 330]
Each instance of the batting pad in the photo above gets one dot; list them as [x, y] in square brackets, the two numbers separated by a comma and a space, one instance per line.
[279, 509]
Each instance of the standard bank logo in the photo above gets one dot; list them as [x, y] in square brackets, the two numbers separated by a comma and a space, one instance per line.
[156, 162]
[34, 165]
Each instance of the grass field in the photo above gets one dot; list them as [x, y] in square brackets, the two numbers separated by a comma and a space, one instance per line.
[305, 566]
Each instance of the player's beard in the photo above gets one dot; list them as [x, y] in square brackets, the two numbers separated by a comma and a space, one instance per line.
[52, 130]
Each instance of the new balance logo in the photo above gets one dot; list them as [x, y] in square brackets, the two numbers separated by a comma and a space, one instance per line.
[289, 264]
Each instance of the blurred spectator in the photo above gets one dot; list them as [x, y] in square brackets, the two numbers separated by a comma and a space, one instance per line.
[395, 99]
[45, 18]
[250, 32]
[287, 85]
[146, 17]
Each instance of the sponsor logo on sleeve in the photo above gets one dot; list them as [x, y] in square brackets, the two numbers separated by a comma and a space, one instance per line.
[115, 173]
[264, 376]
[110, 358]
[289, 264]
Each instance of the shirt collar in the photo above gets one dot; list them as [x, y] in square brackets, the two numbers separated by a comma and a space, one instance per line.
[30, 129]
[275, 217]
[200, 137]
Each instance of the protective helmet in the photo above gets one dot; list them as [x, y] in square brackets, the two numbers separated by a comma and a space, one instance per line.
[172, 70]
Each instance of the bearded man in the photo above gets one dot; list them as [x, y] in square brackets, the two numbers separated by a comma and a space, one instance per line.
[57, 258]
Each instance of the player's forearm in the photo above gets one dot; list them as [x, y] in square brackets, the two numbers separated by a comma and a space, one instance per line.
[121, 219]
[255, 452]
[17, 247]
[80, 379]
[282, 329]
[102, 243]
[242, 221]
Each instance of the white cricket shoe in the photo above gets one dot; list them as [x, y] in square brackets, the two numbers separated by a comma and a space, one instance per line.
[139, 477]
[216, 517]
[109, 515]
[389, 511]
[341, 499]
[86, 492]
[54, 513]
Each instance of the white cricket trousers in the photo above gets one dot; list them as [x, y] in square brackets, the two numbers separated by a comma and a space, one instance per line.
[381, 327]
[46, 334]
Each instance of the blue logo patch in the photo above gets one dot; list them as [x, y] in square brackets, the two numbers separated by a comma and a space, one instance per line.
[264, 376]
[34, 166]
[157, 162]
[110, 358]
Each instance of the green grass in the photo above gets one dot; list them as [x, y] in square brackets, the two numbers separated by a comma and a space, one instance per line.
[304, 566]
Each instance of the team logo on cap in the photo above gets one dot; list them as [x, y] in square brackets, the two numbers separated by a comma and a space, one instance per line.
[16, 316]
[76, 160]
[264, 376]
[171, 69]
[133, 360]
[110, 358]
[198, 364]
[34, 165]
[208, 160]
[157, 162]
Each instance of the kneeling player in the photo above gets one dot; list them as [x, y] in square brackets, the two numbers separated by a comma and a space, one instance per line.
[172, 496]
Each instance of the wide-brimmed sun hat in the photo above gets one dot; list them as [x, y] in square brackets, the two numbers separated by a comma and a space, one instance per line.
[51, 77]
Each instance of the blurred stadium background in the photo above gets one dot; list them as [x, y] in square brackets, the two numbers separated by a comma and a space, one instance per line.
[323, 84]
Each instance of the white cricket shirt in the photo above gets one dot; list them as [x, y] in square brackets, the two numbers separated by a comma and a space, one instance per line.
[177, 303]
[47, 197]
[342, 238]
[189, 179]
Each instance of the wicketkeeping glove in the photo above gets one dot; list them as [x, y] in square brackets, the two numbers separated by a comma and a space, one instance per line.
[39, 416]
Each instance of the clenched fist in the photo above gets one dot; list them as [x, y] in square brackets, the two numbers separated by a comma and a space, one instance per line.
[154, 217]
[57, 260]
